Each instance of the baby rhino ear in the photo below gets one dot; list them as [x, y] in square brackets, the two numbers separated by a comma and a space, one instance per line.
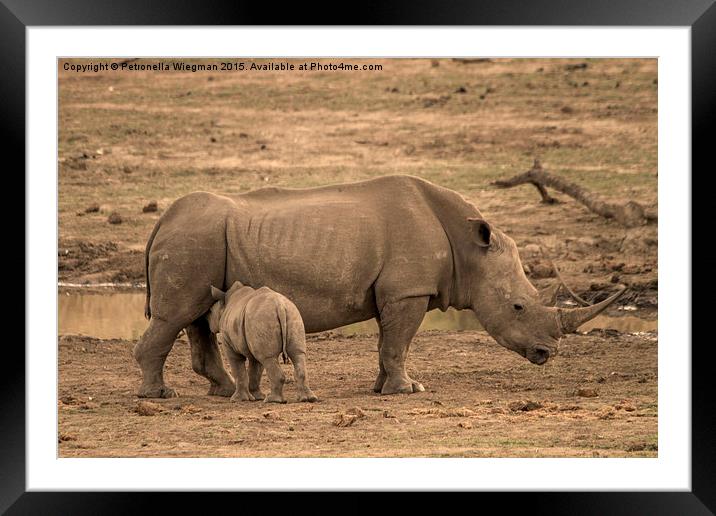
[217, 294]
[480, 230]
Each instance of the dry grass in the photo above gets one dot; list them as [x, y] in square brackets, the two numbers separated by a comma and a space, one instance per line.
[164, 134]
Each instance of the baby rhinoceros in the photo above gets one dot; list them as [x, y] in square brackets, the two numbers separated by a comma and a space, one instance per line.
[260, 324]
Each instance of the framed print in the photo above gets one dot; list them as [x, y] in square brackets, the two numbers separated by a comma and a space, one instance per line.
[441, 244]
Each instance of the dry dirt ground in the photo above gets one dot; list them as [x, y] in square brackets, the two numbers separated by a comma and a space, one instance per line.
[129, 138]
[598, 398]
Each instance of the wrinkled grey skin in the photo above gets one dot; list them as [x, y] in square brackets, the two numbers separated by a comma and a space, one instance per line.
[259, 325]
[390, 248]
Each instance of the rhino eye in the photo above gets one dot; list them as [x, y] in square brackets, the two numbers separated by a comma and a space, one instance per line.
[518, 307]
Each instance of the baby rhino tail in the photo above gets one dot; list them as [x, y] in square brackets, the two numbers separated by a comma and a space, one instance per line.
[284, 331]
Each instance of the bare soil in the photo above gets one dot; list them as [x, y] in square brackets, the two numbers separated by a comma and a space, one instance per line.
[128, 139]
[598, 398]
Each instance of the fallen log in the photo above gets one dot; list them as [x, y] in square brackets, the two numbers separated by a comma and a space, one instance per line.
[629, 214]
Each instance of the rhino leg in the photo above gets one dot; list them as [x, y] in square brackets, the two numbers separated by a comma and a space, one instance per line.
[299, 370]
[400, 321]
[206, 358]
[380, 380]
[238, 367]
[277, 378]
[296, 351]
[298, 358]
[186, 254]
[151, 352]
[256, 369]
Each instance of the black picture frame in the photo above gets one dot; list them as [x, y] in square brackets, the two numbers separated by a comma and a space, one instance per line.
[700, 15]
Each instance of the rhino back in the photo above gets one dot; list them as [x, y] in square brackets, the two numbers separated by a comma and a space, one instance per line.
[335, 251]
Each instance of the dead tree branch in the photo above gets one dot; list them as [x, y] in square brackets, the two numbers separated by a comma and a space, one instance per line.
[629, 214]
[463, 60]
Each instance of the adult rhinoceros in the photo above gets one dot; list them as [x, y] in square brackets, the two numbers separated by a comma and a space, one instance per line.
[390, 248]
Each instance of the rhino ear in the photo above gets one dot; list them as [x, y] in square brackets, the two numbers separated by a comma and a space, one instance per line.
[217, 294]
[481, 232]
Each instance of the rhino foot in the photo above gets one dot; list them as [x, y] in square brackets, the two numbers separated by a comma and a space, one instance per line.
[221, 390]
[258, 395]
[274, 398]
[402, 387]
[307, 396]
[242, 396]
[379, 382]
[157, 392]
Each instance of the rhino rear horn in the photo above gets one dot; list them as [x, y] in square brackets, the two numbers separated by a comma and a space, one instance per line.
[216, 294]
[571, 319]
[548, 295]
[571, 292]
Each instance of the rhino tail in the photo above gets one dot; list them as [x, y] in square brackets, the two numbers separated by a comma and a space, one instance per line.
[147, 309]
[284, 332]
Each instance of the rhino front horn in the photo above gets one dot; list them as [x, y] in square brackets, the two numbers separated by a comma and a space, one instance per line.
[571, 319]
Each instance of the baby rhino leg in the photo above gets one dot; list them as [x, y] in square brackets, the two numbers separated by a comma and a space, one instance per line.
[277, 378]
[256, 369]
[238, 368]
[299, 370]
[263, 339]
[296, 351]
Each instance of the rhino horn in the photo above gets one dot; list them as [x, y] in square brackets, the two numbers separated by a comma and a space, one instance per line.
[561, 281]
[571, 319]
[548, 295]
[571, 293]
[216, 294]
